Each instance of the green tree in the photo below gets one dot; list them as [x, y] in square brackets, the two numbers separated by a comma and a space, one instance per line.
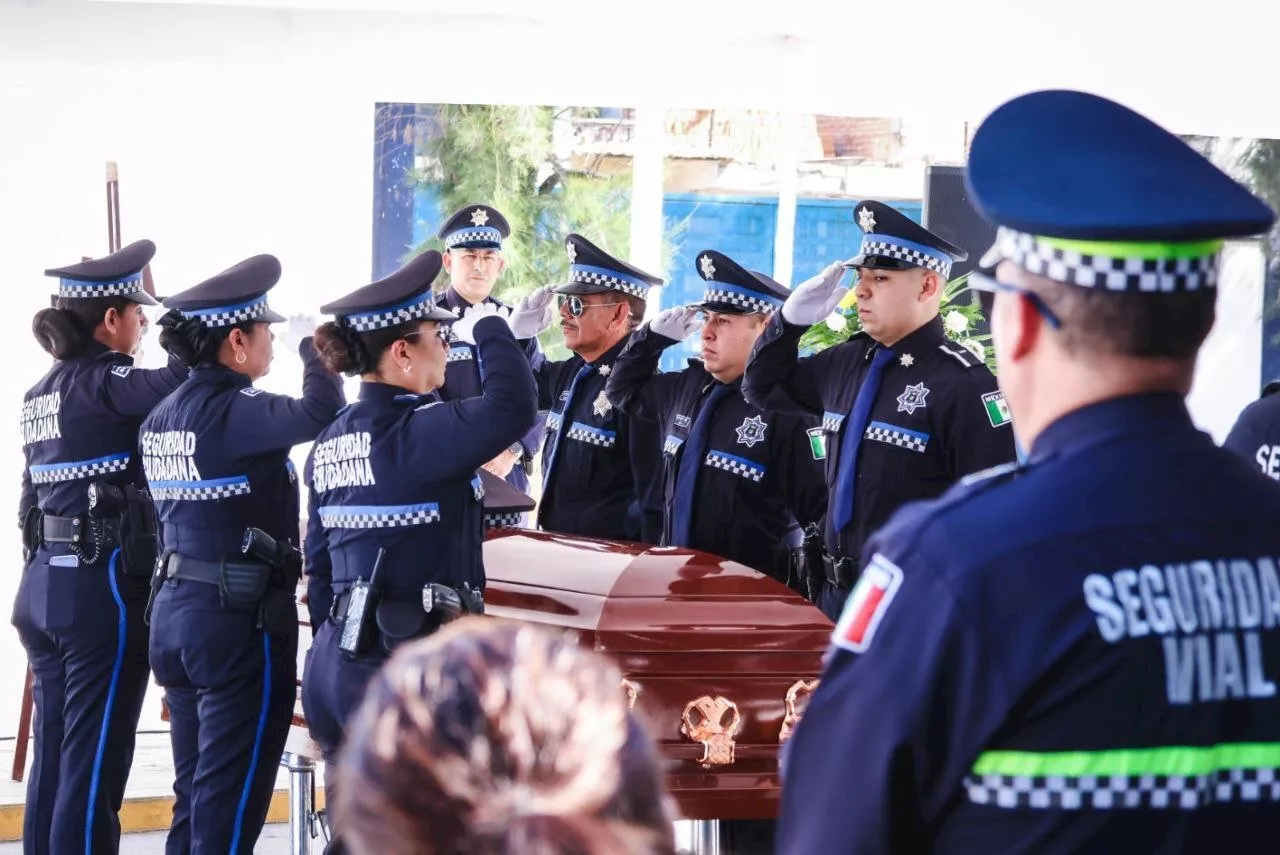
[504, 156]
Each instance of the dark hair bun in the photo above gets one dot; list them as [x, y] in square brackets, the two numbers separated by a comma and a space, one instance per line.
[60, 332]
[186, 338]
[341, 350]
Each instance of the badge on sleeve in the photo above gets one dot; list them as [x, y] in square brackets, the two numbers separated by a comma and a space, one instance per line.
[997, 410]
[121, 370]
[250, 392]
[867, 604]
[818, 443]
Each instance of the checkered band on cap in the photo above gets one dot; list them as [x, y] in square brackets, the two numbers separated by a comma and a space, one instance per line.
[200, 491]
[504, 520]
[226, 316]
[894, 435]
[592, 435]
[473, 234]
[55, 473]
[378, 516]
[731, 463]
[832, 421]
[1117, 792]
[1112, 272]
[413, 309]
[901, 249]
[603, 276]
[671, 444]
[739, 297]
[83, 289]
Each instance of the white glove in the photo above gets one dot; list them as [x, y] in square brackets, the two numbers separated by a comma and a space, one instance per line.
[300, 326]
[678, 323]
[814, 299]
[464, 329]
[533, 314]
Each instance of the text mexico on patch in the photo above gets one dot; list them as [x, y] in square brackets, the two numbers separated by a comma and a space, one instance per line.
[867, 604]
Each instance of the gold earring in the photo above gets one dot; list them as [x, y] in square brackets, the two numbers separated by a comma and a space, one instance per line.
[407, 368]
[240, 358]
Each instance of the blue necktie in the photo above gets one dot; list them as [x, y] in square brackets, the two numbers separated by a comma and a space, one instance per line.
[690, 464]
[854, 426]
[563, 428]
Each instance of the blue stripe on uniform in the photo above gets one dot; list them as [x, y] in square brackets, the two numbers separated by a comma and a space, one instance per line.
[923, 437]
[96, 778]
[257, 743]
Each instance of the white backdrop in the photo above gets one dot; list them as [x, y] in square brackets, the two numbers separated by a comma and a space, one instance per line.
[241, 130]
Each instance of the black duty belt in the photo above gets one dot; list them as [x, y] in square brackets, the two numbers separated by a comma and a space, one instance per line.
[63, 529]
[210, 572]
[840, 571]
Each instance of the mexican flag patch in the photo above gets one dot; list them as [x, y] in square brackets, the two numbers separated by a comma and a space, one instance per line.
[997, 409]
[818, 443]
[867, 604]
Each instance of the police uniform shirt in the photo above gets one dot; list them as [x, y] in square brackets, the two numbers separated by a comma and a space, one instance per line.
[1080, 655]
[216, 454]
[606, 460]
[1256, 434]
[937, 416]
[761, 477]
[398, 471]
[462, 377]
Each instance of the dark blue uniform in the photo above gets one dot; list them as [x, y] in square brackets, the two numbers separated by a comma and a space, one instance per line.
[902, 423]
[79, 608]
[1256, 434]
[1079, 653]
[599, 466]
[216, 454]
[397, 472]
[759, 479]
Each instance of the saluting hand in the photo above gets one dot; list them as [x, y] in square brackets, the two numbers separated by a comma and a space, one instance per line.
[533, 314]
[300, 326]
[465, 327]
[814, 299]
[677, 323]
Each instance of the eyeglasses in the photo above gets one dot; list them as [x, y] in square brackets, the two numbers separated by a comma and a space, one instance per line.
[986, 287]
[442, 333]
[576, 307]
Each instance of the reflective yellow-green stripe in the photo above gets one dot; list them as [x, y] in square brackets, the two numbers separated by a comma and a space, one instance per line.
[1136, 249]
[1173, 760]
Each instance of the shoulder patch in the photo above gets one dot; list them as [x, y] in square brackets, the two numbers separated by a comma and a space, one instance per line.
[121, 370]
[997, 410]
[250, 392]
[959, 354]
[867, 604]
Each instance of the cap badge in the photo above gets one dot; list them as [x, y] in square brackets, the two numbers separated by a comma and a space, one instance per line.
[479, 217]
[866, 220]
[708, 267]
[571, 251]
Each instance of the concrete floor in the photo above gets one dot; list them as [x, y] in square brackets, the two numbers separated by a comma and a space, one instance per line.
[274, 841]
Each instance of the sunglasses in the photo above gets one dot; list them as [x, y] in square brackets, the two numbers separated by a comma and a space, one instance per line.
[441, 333]
[986, 287]
[576, 307]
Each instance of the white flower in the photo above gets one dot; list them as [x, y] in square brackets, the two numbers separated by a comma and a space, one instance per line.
[955, 322]
[975, 348]
[836, 322]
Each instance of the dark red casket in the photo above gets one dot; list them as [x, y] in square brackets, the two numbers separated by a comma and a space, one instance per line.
[719, 658]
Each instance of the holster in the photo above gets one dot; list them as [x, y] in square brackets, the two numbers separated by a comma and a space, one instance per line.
[812, 551]
[243, 584]
[278, 613]
[137, 533]
[31, 532]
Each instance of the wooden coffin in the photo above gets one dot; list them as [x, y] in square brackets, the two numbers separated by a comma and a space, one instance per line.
[718, 657]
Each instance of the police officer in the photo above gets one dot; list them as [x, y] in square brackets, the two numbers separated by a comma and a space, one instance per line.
[395, 517]
[906, 411]
[89, 539]
[224, 629]
[472, 238]
[1080, 653]
[597, 463]
[739, 481]
[1256, 433]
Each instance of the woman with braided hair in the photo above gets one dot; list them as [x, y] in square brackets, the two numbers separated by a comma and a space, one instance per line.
[395, 521]
[493, 737]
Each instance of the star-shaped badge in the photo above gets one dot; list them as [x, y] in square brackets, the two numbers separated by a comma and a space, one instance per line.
[479, 217]
[708, 267]
[912, 398]
[907, 360]
[604, 370]
[751, 431]
[866, 219]
[571, 251]
[601, 405]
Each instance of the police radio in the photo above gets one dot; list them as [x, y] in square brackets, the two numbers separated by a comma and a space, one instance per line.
[357, 626]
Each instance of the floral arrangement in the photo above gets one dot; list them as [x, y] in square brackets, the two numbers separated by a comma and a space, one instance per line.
[961, 318]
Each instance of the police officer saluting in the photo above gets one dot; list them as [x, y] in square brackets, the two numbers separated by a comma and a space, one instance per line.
[739, 481]
[1081, 653]
[472, 238]
[89, 539]
[224, 627]
[597, 463]
[907, 412]
[395, 520]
